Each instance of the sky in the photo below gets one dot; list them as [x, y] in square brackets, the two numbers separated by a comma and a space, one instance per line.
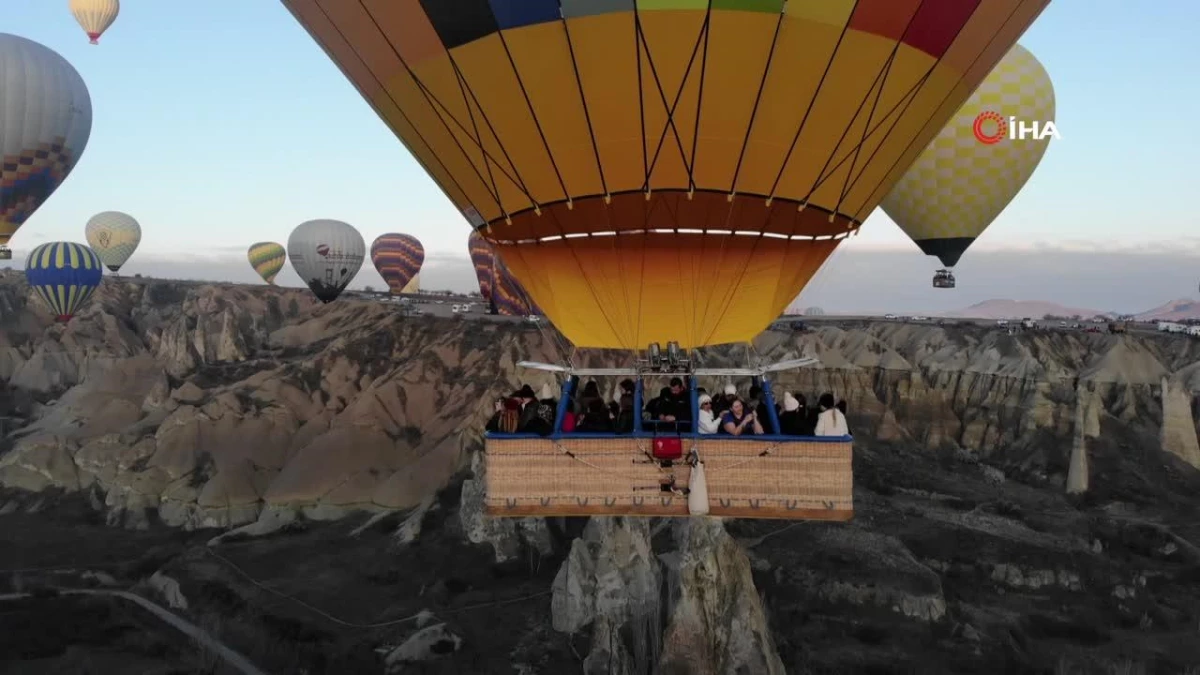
[221, 123]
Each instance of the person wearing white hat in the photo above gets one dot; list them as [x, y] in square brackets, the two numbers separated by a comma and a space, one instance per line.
[722, 402]
[709, 422]
[791, 420]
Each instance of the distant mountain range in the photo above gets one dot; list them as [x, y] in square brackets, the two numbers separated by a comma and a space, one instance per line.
[1176, 310]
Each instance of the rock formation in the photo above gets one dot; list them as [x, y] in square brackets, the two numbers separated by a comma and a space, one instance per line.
[222, 406]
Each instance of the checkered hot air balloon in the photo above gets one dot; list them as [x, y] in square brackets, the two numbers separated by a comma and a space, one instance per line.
[960, 184]
[398, 259]
[45, 122]
[616, 152]
[64, 275]
[267, 258]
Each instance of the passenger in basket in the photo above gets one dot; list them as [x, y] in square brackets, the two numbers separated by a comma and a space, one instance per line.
[841, 405]
[708, 422]
[590, 391]
[830, 420]
[676, 408]
[792, 419]
[542, 423]
[625, 414]
[597, 419]
[528, 401]
[738, 421]
[721, 403]
[507, 418]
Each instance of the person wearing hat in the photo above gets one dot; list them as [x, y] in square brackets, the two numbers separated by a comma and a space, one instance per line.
[708, 423]
[528, 403]
[793, 418]
[723, 400]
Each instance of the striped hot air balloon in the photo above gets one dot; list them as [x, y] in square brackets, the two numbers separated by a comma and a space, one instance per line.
[398, 258]
[267, 258]
[481, 258]
[64, 275]
[95, 16]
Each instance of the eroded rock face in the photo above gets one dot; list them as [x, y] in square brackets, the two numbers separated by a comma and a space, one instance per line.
[681, 602]
[201, 405]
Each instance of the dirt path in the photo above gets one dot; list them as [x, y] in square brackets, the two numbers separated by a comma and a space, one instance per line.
[234, 659]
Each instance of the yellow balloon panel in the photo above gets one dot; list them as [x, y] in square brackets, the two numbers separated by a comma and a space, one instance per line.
[960, 184]
[550, 119]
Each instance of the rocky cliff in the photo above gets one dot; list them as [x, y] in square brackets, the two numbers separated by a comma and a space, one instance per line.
[218, 406]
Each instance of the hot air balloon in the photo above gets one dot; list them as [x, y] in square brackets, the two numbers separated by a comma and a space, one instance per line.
[665, 172]
[497, 286]
[398, 259]
[267, 258]
[972, 169]
[95, 16]
[326, 254]
[114, 236]
[64, 275]
[45, 122]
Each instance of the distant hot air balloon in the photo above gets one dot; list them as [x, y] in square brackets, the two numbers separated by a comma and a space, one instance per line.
[481, 260]
[971, 171]
[114, 236]
[497, 285]
[398, 259]
[64, 275]
[616, 152]
[326, 254]
[95, 16]
[45, 121]
[267, 258]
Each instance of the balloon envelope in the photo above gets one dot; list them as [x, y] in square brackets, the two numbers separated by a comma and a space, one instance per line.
[398, 259]
[45, 122]
[326, 254]
[267, 258]
[114, 236]
[95, 16]
[960, 183]
[617, 153]
[64, 275]
[496, 283]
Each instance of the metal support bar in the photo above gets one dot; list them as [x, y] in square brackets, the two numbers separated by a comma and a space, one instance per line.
[769, 399]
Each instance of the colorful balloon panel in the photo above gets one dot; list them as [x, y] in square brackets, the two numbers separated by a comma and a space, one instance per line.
[95, 16]
[114, 236]
[398, 259]
[267, 258]
[665, 131]
[45, 122]
[959, 184]
[481, 260]
[327, 254]
[64, 275]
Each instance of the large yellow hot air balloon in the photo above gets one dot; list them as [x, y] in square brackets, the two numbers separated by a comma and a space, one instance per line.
[977, 164]
[45, 122]
[95, 16]
[665, 170]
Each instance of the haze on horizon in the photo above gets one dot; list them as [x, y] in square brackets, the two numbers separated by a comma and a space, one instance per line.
[220, 124]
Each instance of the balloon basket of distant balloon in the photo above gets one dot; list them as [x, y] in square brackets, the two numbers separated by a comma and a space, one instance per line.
[5, 253]
[943, 279]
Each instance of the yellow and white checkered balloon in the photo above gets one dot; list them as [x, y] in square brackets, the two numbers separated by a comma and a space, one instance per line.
[959, 184]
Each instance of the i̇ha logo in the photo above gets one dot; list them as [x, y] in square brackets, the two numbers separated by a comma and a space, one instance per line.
[991, 128]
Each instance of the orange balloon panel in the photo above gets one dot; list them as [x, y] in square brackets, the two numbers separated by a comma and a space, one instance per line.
[636, 287]
[543, 118]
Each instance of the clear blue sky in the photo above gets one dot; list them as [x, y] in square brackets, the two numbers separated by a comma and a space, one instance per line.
[220, 123]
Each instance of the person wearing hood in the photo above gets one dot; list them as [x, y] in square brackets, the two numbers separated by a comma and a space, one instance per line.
[709, 422]
[792, 421]
[830, 420]
[528, 402]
